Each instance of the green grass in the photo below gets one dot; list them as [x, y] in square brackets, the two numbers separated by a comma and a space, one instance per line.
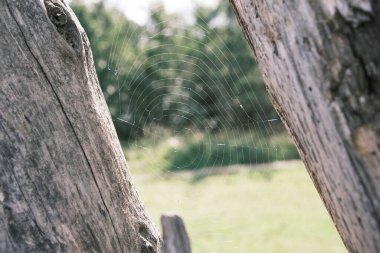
[264, 210]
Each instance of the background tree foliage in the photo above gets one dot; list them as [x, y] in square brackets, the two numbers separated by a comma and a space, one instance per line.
[201, 76]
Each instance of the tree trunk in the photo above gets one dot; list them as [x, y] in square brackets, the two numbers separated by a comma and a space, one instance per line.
[321, 64]
[64, 183]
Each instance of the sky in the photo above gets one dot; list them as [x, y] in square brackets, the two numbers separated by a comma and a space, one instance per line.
[138, 10]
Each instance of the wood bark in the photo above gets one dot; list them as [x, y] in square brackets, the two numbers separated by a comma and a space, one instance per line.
[175, 238]
[321, 63]
[64, 182]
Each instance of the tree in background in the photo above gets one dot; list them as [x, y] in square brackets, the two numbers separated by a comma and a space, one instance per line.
[201, 76]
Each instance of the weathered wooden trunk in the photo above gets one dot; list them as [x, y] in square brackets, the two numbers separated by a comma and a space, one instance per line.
[64, 183]
[321, 63]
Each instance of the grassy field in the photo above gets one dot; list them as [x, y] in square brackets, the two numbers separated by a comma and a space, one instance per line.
[274, 208]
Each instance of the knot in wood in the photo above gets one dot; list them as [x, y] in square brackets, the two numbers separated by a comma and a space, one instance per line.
[56, 14]
[61, 18]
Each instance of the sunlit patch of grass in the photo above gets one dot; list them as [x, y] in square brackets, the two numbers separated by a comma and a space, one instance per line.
[246, 211]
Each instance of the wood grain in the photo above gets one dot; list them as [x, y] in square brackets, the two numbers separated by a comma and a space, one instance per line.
[64, 181]
[320, 62]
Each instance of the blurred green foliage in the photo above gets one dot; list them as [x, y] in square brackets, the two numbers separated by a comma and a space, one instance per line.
[221, 150]
[168, 153]
[200, 76]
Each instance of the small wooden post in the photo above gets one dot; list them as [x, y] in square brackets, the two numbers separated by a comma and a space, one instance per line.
[175, 238]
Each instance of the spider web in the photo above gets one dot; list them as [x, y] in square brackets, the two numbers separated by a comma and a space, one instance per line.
[260, 127]
[254, 141]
